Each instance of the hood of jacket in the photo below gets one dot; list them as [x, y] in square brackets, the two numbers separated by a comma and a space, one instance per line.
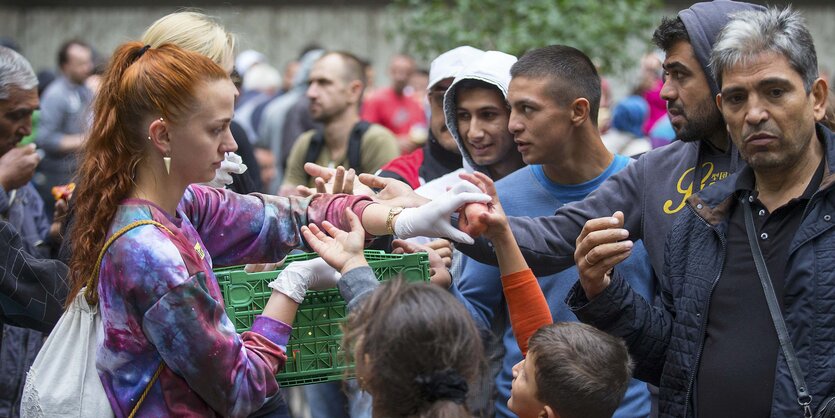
[703, 22]
[492, 67]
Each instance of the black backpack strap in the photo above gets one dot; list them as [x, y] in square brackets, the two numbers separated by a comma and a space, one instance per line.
[314, 148]
[354, 144]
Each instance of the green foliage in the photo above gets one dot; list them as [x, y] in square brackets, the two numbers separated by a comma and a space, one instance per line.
[608, 31]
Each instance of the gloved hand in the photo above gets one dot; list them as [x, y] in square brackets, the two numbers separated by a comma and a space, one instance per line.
[295, 280]
[223, 175]
[432, 219]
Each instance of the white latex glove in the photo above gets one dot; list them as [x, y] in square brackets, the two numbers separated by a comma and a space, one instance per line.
[295, 280]
[223, 175]
[432, 219]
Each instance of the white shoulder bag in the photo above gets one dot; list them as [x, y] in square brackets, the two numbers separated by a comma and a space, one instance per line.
[63, 380]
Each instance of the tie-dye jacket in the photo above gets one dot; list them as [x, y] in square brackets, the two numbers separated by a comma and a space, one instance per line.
[160, 301]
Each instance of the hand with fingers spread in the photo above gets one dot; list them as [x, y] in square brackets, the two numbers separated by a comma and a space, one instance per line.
[602, 244]
[432, 219]
[342, 250]
[392, 192]
[438, 269]
[333, 180]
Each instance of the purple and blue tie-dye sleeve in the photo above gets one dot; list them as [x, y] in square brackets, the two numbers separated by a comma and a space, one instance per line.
[196, 340]
[238, 229]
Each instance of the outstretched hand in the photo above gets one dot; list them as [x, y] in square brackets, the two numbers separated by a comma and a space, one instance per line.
[438, 268]
[392, 192]
[433, 218]
[491, 222]
[340, 249]
[333, 180]
[602, 244]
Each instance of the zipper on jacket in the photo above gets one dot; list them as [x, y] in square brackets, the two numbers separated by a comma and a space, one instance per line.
[703, 326]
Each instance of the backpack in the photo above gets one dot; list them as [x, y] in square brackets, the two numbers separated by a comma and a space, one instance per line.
[63, 380]
[354, 143]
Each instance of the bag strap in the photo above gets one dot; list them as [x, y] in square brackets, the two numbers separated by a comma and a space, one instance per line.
[803, 396]
[92, 294]
[92, 291]
[147, 389]
[355, 143]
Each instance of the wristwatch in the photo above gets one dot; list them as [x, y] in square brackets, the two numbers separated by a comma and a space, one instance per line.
[390, 219]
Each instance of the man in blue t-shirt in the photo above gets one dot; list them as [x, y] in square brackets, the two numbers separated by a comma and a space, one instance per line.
[554, 96]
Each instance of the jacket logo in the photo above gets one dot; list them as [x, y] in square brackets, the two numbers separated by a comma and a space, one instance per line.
[687, 178]
[199, 249]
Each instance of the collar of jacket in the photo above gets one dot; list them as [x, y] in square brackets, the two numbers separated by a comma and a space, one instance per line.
[713, 203]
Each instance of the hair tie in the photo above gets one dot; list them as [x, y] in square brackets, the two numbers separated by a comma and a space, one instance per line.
[446, 384]
[142, 51]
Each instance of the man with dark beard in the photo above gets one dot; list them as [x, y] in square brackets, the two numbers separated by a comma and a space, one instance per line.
[652, 190]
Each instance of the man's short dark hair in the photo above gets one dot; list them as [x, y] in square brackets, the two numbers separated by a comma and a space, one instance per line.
[63, 51]
[669, 32]
[570, 72]
[580, 371]
[354, 68]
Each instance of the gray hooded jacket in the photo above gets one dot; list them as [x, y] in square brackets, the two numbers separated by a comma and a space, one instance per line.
[492, 67]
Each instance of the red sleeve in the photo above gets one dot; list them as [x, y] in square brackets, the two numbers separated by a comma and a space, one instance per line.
[527, 306]
[407, 167]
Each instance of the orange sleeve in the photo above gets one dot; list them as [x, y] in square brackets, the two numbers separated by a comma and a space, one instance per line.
[527, 306]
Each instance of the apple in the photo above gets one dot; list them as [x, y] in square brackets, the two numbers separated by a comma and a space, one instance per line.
[469, 222]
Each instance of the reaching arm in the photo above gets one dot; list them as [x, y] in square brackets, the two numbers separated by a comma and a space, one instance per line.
[526, 303]
[548, 243]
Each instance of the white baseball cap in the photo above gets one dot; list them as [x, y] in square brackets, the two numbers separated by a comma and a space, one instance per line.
[448, 64]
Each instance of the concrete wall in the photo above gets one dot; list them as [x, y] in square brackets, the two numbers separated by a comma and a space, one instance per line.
[279, 31]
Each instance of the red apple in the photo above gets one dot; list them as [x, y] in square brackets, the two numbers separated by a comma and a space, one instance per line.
[469, 222]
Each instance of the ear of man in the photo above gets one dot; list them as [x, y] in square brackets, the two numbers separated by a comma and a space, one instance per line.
[580, 109]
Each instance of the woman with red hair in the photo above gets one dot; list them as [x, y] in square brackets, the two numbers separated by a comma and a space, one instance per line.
[162, 125]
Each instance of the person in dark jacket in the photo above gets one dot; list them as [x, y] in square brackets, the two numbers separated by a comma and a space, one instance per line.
[21, 210]
[652, 190]
[32, 290]
[712, 347]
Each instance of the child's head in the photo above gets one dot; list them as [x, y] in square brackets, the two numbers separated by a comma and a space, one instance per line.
[572, 370]
[416, 350]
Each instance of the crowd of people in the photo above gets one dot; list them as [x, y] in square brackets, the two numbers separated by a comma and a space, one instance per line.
[664, 256]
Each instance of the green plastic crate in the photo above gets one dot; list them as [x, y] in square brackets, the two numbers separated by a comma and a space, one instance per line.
[314, 353]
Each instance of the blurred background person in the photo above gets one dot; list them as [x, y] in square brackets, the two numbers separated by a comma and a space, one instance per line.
[393, 108]
[64, 119]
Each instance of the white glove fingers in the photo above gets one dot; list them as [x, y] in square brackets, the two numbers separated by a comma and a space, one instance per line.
[456, 235]
[465, 186]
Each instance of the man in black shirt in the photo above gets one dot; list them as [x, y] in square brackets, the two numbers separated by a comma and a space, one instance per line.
[712, 347]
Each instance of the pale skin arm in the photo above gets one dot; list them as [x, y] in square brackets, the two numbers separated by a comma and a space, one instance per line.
[340, 249]
[393, 193]
[281, 308]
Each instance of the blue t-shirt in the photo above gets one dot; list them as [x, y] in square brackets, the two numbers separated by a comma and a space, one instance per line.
[529, 192]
